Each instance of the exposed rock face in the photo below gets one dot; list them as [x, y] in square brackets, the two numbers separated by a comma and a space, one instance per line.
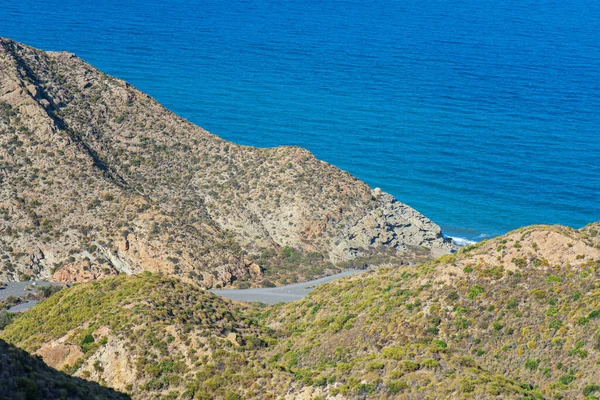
[83, 271]
[92, 169]
[58, 355]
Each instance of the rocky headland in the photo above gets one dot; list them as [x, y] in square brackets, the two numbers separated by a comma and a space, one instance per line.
[98, 179]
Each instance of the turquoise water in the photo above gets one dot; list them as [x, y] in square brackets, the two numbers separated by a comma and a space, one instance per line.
[483, 115]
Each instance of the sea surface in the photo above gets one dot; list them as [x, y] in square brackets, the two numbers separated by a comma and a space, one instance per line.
[483, 115]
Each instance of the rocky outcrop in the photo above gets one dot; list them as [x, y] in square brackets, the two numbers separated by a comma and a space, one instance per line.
[58, 355]
[592, 232]
[92, 169]
[225, 275]
[83, 271]
[392, 224]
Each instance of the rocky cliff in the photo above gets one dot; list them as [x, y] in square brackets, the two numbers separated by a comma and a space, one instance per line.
[98, 179]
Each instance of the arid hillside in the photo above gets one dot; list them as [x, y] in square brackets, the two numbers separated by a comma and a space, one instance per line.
[525, 305]
[148, 334]
[515, 317]
[97, 179]
[152, 336]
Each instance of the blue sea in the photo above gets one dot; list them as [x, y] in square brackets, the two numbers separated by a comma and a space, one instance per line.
[483, 115]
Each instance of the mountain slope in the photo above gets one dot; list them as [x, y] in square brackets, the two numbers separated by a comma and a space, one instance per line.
[150, 335]
[525, 305]
[514, 317]
[98, 178]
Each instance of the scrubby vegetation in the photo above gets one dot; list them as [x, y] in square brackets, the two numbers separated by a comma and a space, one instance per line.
[97, 179]
[473, 324]
[443, 328]
[171, 337]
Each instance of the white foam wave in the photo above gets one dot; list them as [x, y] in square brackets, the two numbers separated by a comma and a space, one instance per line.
[462, 241]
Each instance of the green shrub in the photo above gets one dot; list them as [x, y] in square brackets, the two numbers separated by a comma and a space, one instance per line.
[556, 324]
[532, 364]
[87, 339]
[495, 273]
[375, 365]
[242, 285]
[589, 389]
[430, 363]
[538, 294]
[452, 296]
[5, 319]
[320, 381]
[581, 353]
[366, 388]
[393, 353]
[553, 279]
[582, 321]
[552, 311]
[566, 379]
[578, 350]
[395, 387]
[409, 365]
[213, 383]
[467, 361]
[462, 323]
[466, 385]
[475, 291]
[519, 262]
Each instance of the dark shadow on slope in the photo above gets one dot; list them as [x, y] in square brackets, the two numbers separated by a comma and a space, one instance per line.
[23, 376]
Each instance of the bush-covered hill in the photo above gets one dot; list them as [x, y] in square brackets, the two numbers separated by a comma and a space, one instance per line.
[514, 317]
[97, 178]
[149, 335]
[525, 305]
[155, 337]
